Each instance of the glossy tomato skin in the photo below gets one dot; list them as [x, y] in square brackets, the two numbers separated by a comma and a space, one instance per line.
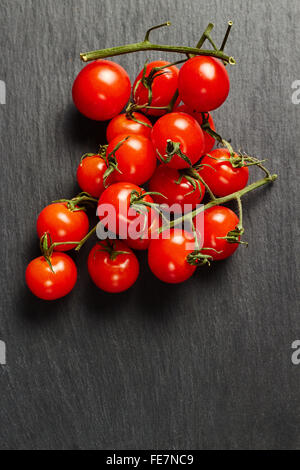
[62, 224]
[218, 221]
[47, 285]
[163, 87]
[203, 83]
[135, 158]
[176, 190]
[113, 275]
[122, 124]
[117, 196]
[90, 174]
[167, 257]
[218, 172]
[101, 90]
[209, 141]
[182, 128]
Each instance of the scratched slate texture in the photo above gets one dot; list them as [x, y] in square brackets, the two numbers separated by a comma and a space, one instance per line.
[203, 365]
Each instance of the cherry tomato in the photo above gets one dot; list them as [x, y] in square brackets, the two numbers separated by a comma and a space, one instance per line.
[47, 285]
[179, 128]
[113, 269]
[62, 224]
[90, 174]
[135, 158]
[101, 90]
[143, 242]
[209, 141]
[218, 221]
[203, 83]
[218, 172]
[122, 124]
[116, 213]
[167, 258]
[164, 87]
[176, 189]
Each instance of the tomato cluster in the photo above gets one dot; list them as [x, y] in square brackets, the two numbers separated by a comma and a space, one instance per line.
[158, 160]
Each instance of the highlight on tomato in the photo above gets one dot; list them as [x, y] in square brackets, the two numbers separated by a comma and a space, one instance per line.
[101, 90]
[113, 266]
[219, 173]
[203, 83]
[178, 140]
[163, 84]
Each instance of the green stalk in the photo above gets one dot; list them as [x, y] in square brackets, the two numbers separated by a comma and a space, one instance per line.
[146, 45]
[222, 200]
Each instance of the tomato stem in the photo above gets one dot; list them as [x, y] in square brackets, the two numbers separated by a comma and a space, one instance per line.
[222, 200]
[81, 198]
[146, 45]
[230, 24]
[82, 242]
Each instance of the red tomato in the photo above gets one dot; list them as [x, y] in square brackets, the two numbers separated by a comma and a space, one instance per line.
[163, 87]
[90, 174]
[209, 141]
[143, 242]
[218, 221]
[177, 190]
[47, 285]
[62, 224]
[101, 90]
[180, 128]
[110, 271]
[203, 83]
[222, 178]
[167, 257]
[116, 213]
[122, 124]
[135, 158]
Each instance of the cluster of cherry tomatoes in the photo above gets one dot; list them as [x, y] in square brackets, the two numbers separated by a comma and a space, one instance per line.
[169, 149]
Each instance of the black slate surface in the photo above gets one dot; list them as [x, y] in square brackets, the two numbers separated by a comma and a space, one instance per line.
[204, 365]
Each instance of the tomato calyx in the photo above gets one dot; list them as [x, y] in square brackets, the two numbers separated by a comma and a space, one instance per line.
[234, 236]
[192, 174]
[47, 247]
[147, 80]
[172, 149]
[101, 153]
[197, 258]
[138, 203]
[192, 177]
[111, 161]
[109, 246]
[74, 204]
[131, 109]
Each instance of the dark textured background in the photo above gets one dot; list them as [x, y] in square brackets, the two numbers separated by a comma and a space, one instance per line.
[203, 365]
